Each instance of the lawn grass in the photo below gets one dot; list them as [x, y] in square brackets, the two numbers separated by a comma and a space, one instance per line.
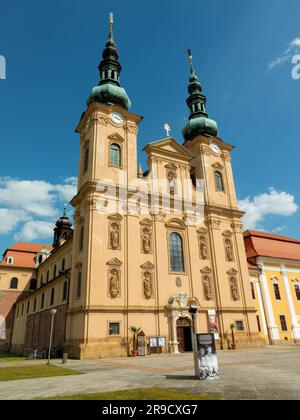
[148, 394]
[6, 357]
[31, 372]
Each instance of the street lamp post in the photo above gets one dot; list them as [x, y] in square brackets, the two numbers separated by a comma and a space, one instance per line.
[52, 313]
[193, 310]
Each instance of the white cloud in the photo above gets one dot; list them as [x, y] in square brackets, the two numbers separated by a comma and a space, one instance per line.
[293, 48]
[32, 207]
[273, 203]
[35, 230]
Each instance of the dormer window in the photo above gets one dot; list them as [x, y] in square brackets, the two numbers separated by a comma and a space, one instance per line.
[10, 260]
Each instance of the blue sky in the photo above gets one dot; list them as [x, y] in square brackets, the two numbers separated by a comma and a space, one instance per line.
[52, 50]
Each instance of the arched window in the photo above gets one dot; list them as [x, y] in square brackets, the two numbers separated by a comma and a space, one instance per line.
[78, 292]
[14, 283]
[48, 276]
[32, 285]
[65, 291]
[86, 160]
[63, 265]
[10, 260]
[176, 253]
[219, 181]
[81, 239]
[54, 272]
[115, 155]
[52, 296]
[43, 301]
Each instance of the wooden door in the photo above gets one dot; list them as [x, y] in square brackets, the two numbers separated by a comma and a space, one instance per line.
[180, 339]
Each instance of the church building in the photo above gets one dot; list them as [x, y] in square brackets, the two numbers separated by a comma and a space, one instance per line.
[145, 245]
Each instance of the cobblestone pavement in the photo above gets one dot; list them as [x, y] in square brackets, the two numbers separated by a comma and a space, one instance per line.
[264, 374]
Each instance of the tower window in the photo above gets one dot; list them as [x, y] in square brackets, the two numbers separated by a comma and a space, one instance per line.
[78, 294]
[48, 276]
[63, 265]
[65, 291]
[253, 291]
[86, 160]
[14, 283]
[54, 272]
[115, 155]
[258, 323]
[219, 181]
[34, 305]
[81, 239]
[176, 253]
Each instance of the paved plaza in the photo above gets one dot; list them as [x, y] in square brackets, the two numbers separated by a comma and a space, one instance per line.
[263, 374]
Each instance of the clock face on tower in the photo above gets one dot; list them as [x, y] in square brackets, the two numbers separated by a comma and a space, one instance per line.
[215, 148]
[117, 118]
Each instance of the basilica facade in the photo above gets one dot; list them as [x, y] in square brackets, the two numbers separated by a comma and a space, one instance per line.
[145, 245]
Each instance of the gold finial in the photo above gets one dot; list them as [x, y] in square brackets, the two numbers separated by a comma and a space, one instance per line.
[111, 19]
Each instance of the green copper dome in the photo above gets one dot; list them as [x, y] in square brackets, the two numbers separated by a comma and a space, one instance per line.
[110, 94]
[199, 122]
[109, 90]
[200, 125]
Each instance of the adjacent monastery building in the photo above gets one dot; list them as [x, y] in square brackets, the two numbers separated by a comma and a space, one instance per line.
[147, 244]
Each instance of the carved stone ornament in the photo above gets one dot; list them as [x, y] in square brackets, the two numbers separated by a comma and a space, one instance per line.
[229, 250]
[147, 282]
[213, 223]
[203, 247]
[146, 240]
[207, 288]
[234, 289]
[114, 283]
[114, 236]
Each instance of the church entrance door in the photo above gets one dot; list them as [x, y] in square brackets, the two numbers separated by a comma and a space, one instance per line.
[184, 335]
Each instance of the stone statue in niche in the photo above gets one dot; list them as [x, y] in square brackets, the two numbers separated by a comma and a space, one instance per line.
[172, 182]
[207, 288]
[146, 237]
[234, 289]
[115, 236]
[203, 248]
[229, 250]
[114, 283]
[148, 285]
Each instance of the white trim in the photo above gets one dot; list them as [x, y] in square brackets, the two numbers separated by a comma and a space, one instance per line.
[295, 325]
[261, 307]
[272, 326]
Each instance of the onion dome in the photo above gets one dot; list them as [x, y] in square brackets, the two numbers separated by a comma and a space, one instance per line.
[63, 229]
[199, 123]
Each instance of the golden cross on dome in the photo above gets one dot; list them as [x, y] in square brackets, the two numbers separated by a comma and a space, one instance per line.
[168, 129]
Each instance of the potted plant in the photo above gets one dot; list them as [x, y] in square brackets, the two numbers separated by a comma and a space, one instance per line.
[233, 346]
[134, 331]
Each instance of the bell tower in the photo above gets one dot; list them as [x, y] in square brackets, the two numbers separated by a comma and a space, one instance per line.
[108, 155]
[212, 163]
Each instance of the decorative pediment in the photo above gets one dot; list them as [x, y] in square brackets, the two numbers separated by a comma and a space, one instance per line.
[217, 165]
[171, 166]
[148, 266]
[115, 262]
[169, 147]
[206, 270]
[202, 231]
[274, 280]
[146, 222]
[232, 272]
[175, 223]
[115, 216]
[227, 234]
[116, 137]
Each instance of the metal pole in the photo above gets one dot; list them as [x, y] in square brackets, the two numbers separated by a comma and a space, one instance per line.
[51, 334]
[195, 347]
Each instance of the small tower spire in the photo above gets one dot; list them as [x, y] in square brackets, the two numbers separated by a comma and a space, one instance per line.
[109, 90]
[199, 122]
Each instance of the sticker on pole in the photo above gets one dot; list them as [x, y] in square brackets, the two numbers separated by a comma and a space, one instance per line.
[2, 328]
[207, 357]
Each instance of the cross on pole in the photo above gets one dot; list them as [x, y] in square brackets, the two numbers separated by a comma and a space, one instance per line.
[168, 129]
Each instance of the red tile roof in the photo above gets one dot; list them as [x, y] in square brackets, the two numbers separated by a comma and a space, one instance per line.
[23, 254]
[262, 244]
